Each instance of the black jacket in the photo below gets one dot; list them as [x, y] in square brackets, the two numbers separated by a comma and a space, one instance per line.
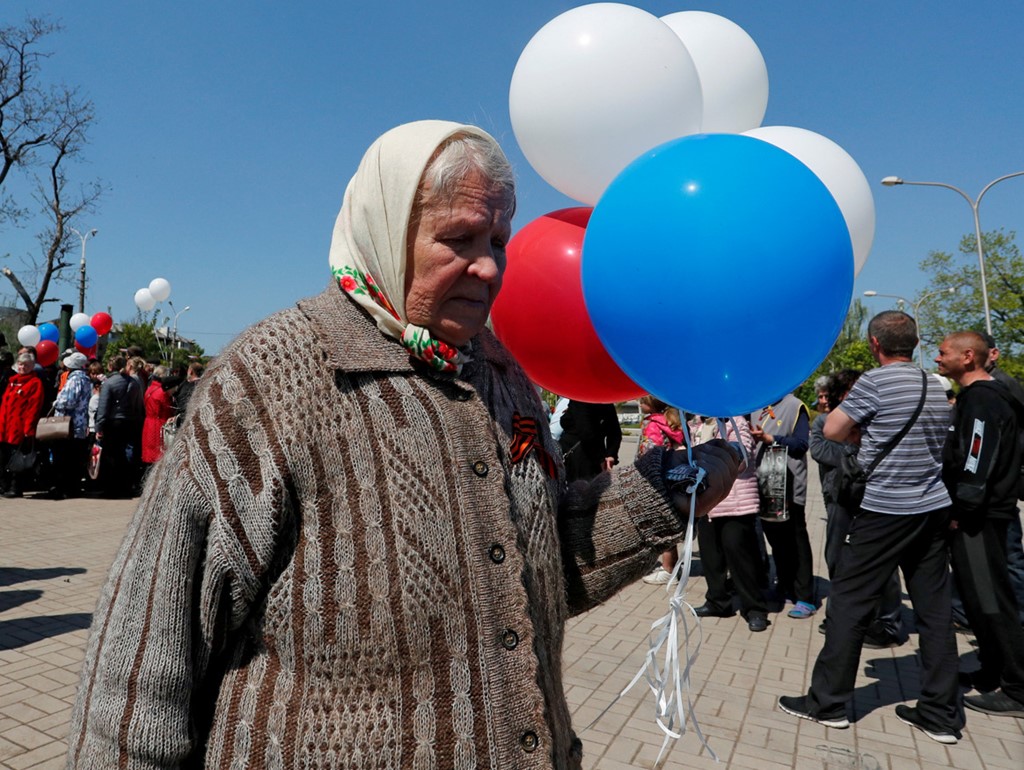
[982, 457]
[120, 402]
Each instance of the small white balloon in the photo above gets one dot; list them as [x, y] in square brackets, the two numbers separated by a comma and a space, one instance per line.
[160, 288]
[29, 336]
[79, 320]
[839, 173]
[733, 75]
[144, 300]
[595, 88]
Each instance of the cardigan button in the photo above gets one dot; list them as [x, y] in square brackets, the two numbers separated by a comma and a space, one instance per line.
[480, 468]
[497, 554]
[509, 639]
[529, 741]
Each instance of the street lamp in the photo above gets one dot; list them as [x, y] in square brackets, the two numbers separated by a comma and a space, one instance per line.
[81, 269]
[892, 181]
[917, 312]
[174, 333]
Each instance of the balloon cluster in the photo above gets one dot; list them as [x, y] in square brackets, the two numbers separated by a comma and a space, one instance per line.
[159, 289]
[86, 329]
[716, 267]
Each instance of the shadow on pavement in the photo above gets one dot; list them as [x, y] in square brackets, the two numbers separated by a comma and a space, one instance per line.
[21, 632]
[11, 599]
[11, 575]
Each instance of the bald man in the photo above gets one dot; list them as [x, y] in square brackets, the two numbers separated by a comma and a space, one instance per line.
[981, 468]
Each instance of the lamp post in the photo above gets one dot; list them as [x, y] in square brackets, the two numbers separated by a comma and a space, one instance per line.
[917, 312]
[174, 333]
[892, 181]
[81, 269]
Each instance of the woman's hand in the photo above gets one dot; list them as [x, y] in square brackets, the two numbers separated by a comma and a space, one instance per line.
[720, 462]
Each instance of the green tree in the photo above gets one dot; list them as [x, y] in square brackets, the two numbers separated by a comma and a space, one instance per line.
[850, 351]
[1004, 271]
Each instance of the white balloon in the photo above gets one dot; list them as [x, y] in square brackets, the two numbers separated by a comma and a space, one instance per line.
[144, 300]
[595, 88]
[840, 174]
[29, 336]
[160, 288]
[78, 320]
[733, 75]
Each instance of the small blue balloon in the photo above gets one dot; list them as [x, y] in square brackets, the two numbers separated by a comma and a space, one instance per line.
[717, 270]
[48, 331]
[86, 336]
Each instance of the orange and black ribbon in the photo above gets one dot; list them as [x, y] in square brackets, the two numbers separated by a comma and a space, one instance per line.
[526, 438]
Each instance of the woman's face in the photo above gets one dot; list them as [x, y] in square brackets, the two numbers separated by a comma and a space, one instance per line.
[456, 259]
[24, 367]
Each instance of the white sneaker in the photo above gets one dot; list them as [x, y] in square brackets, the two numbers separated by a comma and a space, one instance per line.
[659, 577]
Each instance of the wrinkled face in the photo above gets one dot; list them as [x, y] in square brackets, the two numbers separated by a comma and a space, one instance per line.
[456, 258]
[951, 360]
[822, 401]
[24, 367]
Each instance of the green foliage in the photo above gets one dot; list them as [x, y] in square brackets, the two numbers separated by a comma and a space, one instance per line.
[1004, 272]
[850, 351]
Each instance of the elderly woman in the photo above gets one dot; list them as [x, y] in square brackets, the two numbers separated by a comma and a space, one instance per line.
[365, 557]
[159, 406]
[19, 415]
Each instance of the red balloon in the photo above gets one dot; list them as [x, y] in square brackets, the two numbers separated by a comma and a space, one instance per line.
[541, 318]
[102, 323]
[89, 352]
[46, 352]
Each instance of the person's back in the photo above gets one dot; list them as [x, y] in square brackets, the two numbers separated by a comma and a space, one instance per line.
[909, 479]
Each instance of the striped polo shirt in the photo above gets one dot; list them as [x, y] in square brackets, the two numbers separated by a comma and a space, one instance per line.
[909, 479]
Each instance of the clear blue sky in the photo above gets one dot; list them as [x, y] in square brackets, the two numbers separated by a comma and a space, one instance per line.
[227, 131]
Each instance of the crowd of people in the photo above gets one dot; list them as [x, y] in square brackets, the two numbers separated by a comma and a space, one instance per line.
[120, 418]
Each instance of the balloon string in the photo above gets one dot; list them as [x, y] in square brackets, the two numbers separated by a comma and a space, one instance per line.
[669, 683]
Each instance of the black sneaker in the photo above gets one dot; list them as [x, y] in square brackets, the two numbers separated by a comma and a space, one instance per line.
[797, 707]
[757, 621]
[997, 703]
[909, 715]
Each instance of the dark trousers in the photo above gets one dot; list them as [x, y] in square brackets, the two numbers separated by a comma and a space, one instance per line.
[979, 566]
[791, 550]
[69, 459]
[117, 472]
[888, 620]
[1015, 561]
[728, 546]
[877, 544]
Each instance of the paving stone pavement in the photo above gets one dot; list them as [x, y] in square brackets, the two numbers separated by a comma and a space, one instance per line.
[54, 557]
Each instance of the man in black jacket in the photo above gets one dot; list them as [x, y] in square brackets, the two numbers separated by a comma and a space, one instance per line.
[981, 468]
[118, 421]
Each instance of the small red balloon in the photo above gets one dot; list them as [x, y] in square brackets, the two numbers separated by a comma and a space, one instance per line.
[102, 323]
[46, 352]
[541, 318]
[89, 352]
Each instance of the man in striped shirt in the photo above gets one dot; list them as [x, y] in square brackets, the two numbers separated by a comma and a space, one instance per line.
[903, 522]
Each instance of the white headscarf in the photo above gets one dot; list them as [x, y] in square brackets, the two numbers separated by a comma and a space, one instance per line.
[369, 250]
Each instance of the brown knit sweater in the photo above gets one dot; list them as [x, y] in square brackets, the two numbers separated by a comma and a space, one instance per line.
[337, 565]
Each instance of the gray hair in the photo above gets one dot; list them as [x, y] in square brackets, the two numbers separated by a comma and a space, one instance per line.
[160, 372]
[821, 383]
[26, 358]
[460, 156]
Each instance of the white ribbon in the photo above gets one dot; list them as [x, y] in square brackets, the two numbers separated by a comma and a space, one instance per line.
[668, 682]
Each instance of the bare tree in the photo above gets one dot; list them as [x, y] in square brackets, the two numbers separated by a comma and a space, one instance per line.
[43, 129]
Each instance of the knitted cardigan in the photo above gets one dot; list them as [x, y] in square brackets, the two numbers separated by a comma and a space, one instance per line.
[337, 564]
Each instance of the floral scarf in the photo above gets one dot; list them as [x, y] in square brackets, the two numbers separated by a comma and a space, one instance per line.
[369, 249]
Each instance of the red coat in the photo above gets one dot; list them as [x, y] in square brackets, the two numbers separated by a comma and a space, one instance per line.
[159, 409]
[19, 411]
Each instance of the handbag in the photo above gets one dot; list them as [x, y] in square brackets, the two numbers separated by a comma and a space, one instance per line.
[54, 428]
[23, 459]
[851, 479]
[93, 468]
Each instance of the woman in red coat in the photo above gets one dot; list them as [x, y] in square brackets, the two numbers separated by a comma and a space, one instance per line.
[159, 409]
[19, 414]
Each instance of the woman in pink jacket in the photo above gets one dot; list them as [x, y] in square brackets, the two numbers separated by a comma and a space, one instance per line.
[727, 537]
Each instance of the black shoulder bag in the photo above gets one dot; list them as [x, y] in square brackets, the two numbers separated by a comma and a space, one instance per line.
[852, 479]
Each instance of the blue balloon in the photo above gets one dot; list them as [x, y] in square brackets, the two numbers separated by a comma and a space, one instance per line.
[86, 336]
[717, 270]
[48, 331]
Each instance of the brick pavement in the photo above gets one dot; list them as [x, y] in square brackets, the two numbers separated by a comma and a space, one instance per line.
[54, 557]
